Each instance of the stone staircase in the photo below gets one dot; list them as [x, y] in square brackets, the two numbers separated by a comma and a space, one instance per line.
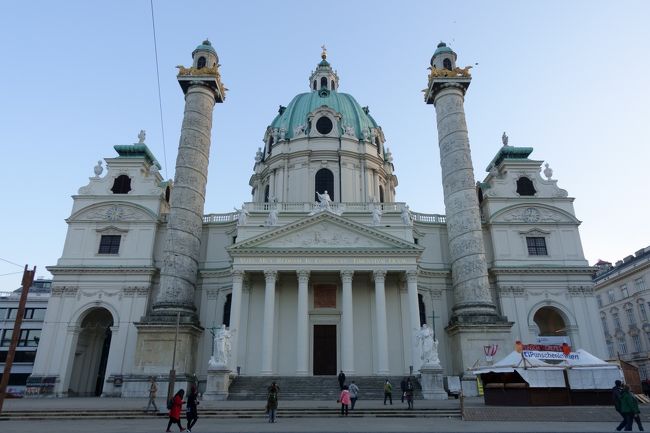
[325, 388]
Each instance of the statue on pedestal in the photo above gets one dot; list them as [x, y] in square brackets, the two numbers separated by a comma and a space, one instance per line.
[324, 201]
[222, 347]
[428, 347]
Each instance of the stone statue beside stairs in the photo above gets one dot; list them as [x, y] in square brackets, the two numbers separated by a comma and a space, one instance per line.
[222, 347]
[428, 346]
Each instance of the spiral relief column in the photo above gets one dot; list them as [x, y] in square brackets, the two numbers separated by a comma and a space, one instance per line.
[475, 319]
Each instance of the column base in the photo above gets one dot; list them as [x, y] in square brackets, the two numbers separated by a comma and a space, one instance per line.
[466, 341]
[431, 380]
[155, 348]
[302, 373]
[217, 385]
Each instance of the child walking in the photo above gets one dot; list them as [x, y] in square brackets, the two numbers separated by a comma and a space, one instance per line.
[345, 400]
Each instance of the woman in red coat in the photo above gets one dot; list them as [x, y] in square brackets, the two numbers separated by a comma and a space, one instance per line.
[175, 410]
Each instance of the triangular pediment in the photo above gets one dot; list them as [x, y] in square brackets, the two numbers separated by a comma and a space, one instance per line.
[325, 231]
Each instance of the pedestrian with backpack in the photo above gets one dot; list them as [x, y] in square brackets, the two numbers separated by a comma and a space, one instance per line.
[272, 401]
[191, 411]
[175, 406]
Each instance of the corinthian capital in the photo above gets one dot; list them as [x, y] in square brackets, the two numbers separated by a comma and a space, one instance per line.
[346, 276]
[303, 275]
[379, 275]
[270, 275]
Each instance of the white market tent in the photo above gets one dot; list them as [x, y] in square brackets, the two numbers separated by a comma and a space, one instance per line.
[584, 371]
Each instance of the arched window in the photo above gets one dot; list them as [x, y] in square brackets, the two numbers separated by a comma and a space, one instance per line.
[226, 311]
[332, 84]
[423, 310]
[201, 63]
[381, 194]
[525, 186]
[323, 83]
[168, 193]
[550, 322]
[324, 182]
[314, 84]
[479, 191]
[446, 63]
[266, 194]
[122, 184]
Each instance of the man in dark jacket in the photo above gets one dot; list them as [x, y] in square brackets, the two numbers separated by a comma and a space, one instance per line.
[341, 379]
[402, 386]
[616, 398]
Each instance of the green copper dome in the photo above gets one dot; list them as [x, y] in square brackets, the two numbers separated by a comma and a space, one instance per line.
[205, 46]
[442, 48]
[299, 108]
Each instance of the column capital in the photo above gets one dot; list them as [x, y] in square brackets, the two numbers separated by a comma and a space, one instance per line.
[270, 275]
[303, 275]
[412, 275]
[237, 274]
[347, 275]
[379, 275]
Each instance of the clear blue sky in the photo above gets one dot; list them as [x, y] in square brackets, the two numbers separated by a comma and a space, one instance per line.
[567, 78]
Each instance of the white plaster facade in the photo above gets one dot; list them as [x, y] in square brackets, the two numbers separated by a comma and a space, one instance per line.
[362, 272]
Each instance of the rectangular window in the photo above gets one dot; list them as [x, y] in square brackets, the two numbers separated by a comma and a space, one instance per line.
[610, 294]
[622, 346]
[3, 313]
[605, 327]
[644, 314]
[617, 321]
[536, 246]
[637, 343]
[624, 293]
[109, 244]
[600, 301]
[28, 337]
[630, 316]
[639, 284]
[610, 349]
[34, 314]
[643, 371]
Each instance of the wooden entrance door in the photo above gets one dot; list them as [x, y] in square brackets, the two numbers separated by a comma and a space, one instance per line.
[324, 350]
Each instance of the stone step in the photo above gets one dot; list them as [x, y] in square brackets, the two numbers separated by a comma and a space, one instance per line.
[313, 387]
[233, 413]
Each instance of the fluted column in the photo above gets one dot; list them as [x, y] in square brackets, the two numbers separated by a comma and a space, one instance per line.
[235, 314]
[347, 325]
[382, 325]
[302, 325]
[269, 322]
[414, 315]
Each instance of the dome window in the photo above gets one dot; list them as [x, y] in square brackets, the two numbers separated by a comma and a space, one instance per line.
[168, 193]
[324, 125]
[446, 63]
[314, 84]
[122, 184]
[525, 187]
[381, 194]
[323, 83]
[324, 181]
[266, 194]
[201, 63]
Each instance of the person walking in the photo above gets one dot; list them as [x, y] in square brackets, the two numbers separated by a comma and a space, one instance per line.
[344, 398]
[191, 410]
[388, 392]
[153, 389]
[409, 393]
[272, 401]
[616, 399]
[402, 387]
[629, 409]
[175, 409]
[341, 378]
[354, 394]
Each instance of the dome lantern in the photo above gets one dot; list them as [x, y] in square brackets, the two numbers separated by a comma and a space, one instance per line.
[444, 57]
[324, 79]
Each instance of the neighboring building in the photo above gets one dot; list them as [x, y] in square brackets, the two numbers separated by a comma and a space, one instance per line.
[623, 296]
[323, 270]
[30, 331]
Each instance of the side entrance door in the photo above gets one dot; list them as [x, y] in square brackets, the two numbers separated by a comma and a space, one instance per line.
[324, 350]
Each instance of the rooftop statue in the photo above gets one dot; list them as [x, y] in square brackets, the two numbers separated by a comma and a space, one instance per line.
[141, 136]
[324, 201]
[504, 139]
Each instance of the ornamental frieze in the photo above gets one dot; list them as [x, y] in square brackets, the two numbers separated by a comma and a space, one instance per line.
[113, 213]
[533, 215]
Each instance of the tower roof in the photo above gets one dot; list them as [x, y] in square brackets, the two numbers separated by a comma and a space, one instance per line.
[205, 46]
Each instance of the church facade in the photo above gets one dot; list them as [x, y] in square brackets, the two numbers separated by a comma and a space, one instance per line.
[324, 270]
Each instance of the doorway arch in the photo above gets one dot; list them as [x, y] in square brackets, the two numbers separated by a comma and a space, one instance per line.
[91, 353]
[551, 322]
